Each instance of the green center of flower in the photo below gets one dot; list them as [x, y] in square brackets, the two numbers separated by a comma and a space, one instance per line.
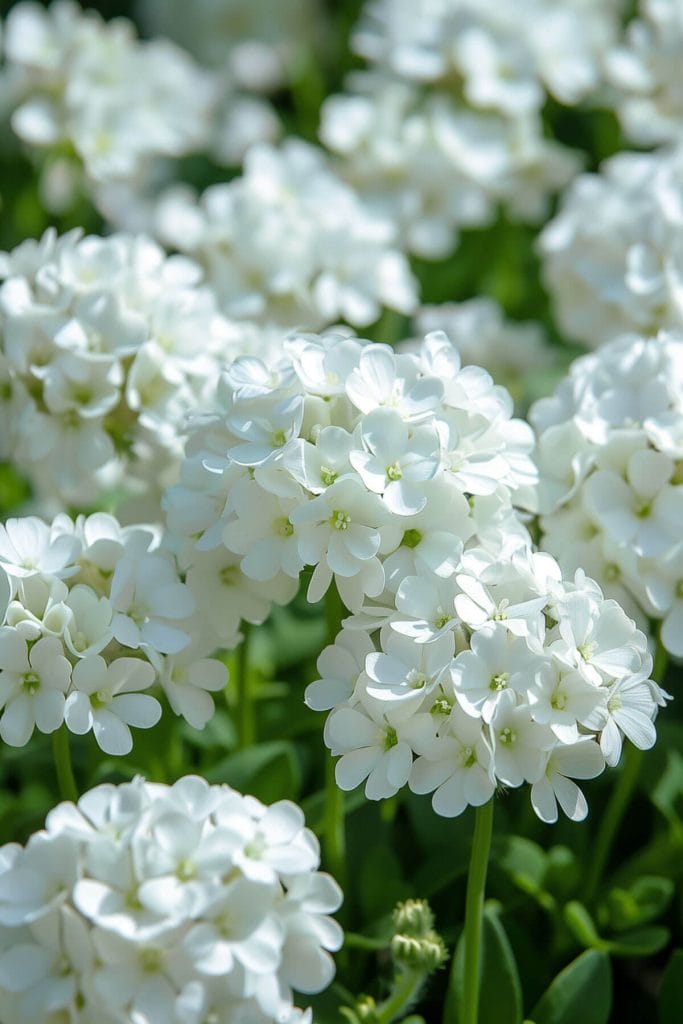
[340, 520]
[327, 475]
[507, 736]
[499, 681]
[101, 698]
[229, 575]
[611, 572]
[390, 738]
[186, 870]
[441, 706]
[559, 700]
[442, 619]
[31, 683]
[467, 757]
[279, 439]
[394, 472]
[282, 527]
[416, 680]
[255, 848]
[614, 703]
[150, 960]
[643, 509]
[411, 538]
[587, 649]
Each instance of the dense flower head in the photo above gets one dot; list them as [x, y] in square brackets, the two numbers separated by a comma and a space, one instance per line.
[610, 455]
[165, 905]
[91, 615]
[288, 242]
[350, 458]
[106, 345]
[437, 166]
[645, 68]
[499, 675]
[612, 255]
[78, 81]
[502, 57]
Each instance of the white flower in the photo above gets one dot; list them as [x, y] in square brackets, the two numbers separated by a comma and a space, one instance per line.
[396, 462]
[145, 595]
[580, 760]
[33, 684]
[340, 664]
[519, 745]
[498, 667]
[457, 767]
[630, 709]
[29, 546]
[106, 699]
[341, 531]
[188, 684]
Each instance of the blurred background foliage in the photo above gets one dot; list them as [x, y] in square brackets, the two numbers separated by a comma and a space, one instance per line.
[541, 876]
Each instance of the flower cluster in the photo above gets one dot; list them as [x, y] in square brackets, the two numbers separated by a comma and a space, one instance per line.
[610, 452]
[93, 615]
[349, 458]
[289, 243]
[105, 346]
[611, 257]
[482, 335]
[646, 69]
[447, 123]
[79, 82]
[165, 905]
[500, 673]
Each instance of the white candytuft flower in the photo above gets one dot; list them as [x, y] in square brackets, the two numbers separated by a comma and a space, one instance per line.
[646, 70]
[82, 83]
[288, 242]
[537, 684]
[107, 345]
[352, 459]
[612, 255]
[610, 455]
[93, 615]
[446, 125]
[161, 903]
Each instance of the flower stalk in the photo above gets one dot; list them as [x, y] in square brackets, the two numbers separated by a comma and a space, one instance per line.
[474, 909]
[61, 752]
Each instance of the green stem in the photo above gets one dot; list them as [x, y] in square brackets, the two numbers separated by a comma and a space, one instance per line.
[334, 828]
[620, 797]
[405, 992]
[62, 756]
[246, 722]
[612, 818]
[474, 908]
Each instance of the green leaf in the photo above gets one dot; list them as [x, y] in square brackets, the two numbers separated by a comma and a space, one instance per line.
[500, 994]
[269, 771]
[670, 998]
[640, 942]
[580, 994]
[582, 926]
[642, 902]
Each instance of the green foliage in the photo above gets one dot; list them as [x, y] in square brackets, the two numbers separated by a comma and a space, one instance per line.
[580, 994]
[501, 991]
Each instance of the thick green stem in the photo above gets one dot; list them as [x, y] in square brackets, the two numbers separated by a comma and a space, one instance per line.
[405, 992]
[246, 722]
[334, 830]
[62, 756]
[474, 909]
[620, 797]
